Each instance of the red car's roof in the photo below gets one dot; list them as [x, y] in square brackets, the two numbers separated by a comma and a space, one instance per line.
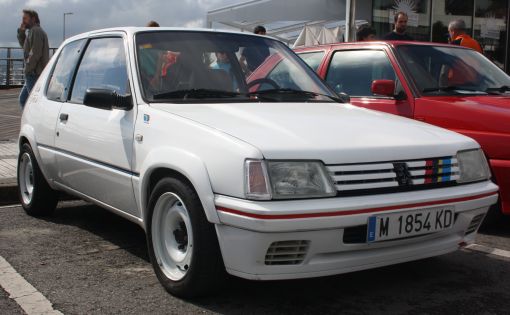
[376, 43]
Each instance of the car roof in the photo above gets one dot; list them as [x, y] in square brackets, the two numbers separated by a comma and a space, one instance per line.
[375, 43]
[131, 30]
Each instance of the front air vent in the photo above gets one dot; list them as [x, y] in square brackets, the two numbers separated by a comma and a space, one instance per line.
[475, 223]
[287, 252]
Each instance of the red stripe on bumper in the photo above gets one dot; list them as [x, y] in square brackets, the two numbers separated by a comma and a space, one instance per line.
[349, 212]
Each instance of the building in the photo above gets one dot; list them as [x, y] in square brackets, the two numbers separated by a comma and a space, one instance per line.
[428, 19]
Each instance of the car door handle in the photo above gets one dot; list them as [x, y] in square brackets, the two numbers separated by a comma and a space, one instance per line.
[64, 117]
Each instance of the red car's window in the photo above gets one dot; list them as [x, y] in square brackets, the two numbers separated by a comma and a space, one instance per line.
[313, 59]
[440, 70]
[353, 71]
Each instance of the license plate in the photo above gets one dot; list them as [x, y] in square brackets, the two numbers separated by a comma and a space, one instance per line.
[407, 224]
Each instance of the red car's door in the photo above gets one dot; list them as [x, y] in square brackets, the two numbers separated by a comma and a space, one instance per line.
[352, 71]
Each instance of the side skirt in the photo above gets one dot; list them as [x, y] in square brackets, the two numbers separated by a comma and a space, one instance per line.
[101, 204]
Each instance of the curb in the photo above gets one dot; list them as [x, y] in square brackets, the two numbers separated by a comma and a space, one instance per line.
[8, 192]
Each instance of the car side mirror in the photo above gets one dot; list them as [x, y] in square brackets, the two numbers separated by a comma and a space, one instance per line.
[383, 87]
[107, 99]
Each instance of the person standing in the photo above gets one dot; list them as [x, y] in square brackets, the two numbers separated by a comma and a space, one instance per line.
[152, 24]
[458, 36]
[36, 51]
[399, 32]
[253, 57]
[365, 33]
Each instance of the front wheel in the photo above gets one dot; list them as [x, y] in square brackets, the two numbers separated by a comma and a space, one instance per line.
[36, 196]
[183, 246]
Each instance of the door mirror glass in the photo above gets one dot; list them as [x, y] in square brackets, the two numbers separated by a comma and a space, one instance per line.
[383, 88]
[107, 99]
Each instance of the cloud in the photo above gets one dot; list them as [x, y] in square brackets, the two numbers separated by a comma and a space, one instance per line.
[95, 14]
[41, 3]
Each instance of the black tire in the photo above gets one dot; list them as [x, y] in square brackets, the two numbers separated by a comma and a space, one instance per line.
[206, 272]
[44, 199]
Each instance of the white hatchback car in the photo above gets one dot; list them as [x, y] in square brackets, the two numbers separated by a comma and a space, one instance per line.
[267, 178]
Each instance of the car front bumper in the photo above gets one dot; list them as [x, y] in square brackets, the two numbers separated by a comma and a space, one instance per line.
[249, 229]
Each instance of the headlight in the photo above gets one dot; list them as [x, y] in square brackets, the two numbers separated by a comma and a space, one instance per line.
[473, 166]
[287, 180]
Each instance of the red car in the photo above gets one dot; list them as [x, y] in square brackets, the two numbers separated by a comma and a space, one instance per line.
[444, 85]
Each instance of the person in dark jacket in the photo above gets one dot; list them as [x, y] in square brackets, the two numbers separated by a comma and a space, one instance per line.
[365, 33]
[399, 32]
[253, 57]
[36, 51]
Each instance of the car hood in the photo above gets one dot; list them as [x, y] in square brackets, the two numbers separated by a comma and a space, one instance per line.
[331, 132]
[499, 103]
[481, 113]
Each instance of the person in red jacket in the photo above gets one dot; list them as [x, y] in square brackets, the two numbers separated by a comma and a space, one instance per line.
[458, 36]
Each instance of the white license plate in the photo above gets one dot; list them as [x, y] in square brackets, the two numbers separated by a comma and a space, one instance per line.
[407, 224]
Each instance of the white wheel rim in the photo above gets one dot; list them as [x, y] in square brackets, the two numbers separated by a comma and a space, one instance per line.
[26, 178]
[172, 236]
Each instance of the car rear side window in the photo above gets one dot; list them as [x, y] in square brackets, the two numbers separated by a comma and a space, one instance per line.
[313, 59]
[103, 66]
[353, 71]
[61, 77]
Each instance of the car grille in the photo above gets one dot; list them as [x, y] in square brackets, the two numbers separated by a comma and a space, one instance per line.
[394, 176]
[287, 252]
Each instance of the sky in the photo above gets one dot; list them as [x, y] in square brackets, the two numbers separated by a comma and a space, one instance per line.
[95, 14]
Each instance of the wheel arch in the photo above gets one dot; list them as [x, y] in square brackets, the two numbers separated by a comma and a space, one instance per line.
[176, 163]
[27, 136]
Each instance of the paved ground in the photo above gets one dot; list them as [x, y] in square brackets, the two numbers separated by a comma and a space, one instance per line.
[86, 260]
[10, 114]
[8, 161]
[10, 117]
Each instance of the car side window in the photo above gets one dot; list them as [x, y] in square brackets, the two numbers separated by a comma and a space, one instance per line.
[313, 59]
[62, 72]
[285, 74]
[103, 66]
[353, 71]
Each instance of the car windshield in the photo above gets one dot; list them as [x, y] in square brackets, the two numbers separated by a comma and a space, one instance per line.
[197, 66]
[439, 70]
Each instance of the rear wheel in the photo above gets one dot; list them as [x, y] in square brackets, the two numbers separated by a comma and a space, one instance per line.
[36, 196]
[183, 246]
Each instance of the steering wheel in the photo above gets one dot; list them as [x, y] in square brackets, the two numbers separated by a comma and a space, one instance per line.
[263, 80]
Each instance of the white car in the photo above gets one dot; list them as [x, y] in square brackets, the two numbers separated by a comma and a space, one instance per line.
[272, 178]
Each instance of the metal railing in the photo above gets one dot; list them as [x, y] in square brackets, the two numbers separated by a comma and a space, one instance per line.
[12, 66]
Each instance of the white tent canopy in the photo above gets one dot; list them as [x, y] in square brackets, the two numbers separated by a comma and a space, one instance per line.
[285, 19]
[317, 35]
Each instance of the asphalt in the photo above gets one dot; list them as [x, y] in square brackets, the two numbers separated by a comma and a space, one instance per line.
[86, 260]
[10, 117]
[10, 114]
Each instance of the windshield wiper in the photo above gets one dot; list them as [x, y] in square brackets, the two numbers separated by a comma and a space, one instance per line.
[501, 89]
[307, 94]
[450, 88]
[196, 94]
